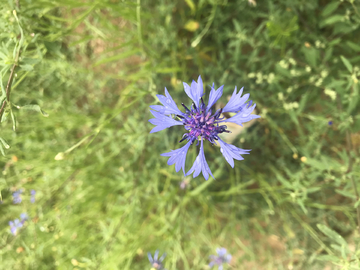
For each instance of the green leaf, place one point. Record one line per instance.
(331, 20)
(328, 258)
(330, 8)
(354, 99)
(30, 61)
(35, 108)
(283, 71)
(357, 204)
(303, 102)
(117, 57)
(200, 188)
(346, 63)
(27, 67)
(168, 70)
(13, 120)
(2, 150)
(353, 46)
(345, 193)
(332, 234)
(4, 143)
(328, 54)
(191, 5)
(301, 204)
(311, 56)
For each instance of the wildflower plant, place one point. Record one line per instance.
(156, 262)
(202, 124)
(17, 196)
(221, 258)
(15, 226)
(18, 223)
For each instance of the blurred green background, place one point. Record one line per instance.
(105, 196)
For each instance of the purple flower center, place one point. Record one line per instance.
(201, 124)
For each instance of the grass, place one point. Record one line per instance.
(105, 197)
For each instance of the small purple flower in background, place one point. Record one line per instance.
(15, 225)
(23, 217)
(330, 123)
(219, 260)
(155, 262)
(17, 196)
(201, 124)
(184, 183)
(18, 223)
(32, 198)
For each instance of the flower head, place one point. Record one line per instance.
(23, 217)
(201, 123)
(17, 196)
(219, 260)
(15, 225)
(155, 262)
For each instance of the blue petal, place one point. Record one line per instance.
(158, 108)
(162, 257)
(200, 165)
(236, 101)
(24, 216)
(162, 121)
(169, 104)
(178, 157)
(214, 96)
(243, 116)
(231, 152)
(221, 251)
(196, 91)
(156, 255)
(150, 257)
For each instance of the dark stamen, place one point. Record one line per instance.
(182, 117)
(194, 106)
(218, 113)
(185, 137)
(186, 108)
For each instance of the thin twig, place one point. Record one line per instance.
(9, 84)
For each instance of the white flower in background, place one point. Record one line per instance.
(292, 61)
(324, 73)
(251, 75)
(270, 78)
(252, 3)
(330, 93)
(319, 82)
(284, 64)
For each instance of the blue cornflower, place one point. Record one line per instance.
(202, 124)
(155, 262)
(220, 259)
(17, 196)
(15, 225)
(330, 123)
(32, 198)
